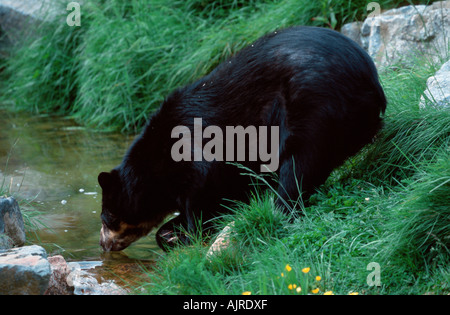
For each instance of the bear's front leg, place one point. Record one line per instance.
(180, 230)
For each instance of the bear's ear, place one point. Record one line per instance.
(106, 180)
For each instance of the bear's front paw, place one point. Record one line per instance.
(168, 238)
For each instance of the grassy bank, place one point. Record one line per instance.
(389, 205)
(127, 56)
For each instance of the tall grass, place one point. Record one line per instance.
(411, 135)
(422, 229)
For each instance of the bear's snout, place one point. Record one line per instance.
(114, 241)
(110, 241)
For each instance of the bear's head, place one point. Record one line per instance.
(126, 216)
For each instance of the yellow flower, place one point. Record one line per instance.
(282, 275)
(306, 270)
(318, 278)
(288, 268)
(328, 293)
(292, 286)
(247, 293)
(315, 291)
(298, 290)
(353, 293)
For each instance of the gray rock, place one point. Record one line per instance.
(19, 17)
(437, 93)
(353, 31)
(24, 271)
(399, 36)
(11, 224)
(5, 242)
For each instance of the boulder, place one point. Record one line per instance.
(399, 36)
(19, 17)
(437, 93)
(353, 31)
(11, 224)
(24, 271)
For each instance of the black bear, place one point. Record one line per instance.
(319, 90)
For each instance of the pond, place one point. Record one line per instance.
(50, 164)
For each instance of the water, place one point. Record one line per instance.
(51, 164)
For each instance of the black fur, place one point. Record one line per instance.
(318, 86)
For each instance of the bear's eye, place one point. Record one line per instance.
(110, 220)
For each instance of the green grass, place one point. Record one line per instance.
(127, 56)
(388, 205)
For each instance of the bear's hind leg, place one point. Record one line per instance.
(300, 174)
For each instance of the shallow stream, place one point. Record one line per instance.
(50, 164)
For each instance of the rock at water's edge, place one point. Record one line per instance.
(24, 271)
(11, 224)
(58, 284)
